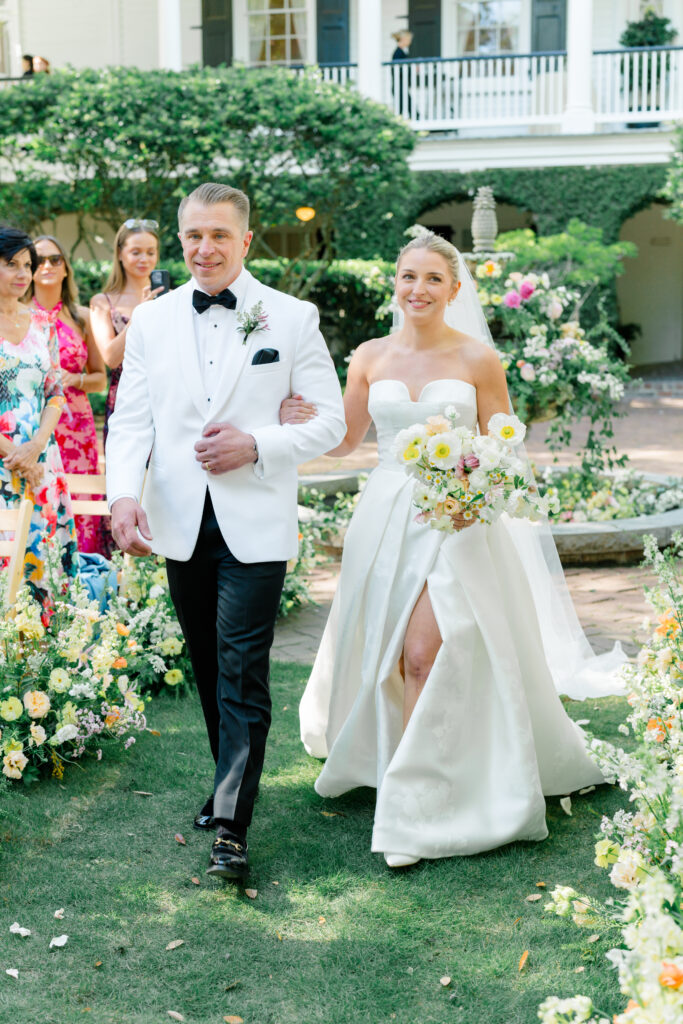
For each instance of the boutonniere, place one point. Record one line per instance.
(255, 320)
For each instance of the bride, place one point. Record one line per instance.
(438, 673)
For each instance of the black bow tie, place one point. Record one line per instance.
(201, 301)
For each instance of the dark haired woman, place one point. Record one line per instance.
(31, 401)
(54, 293)
(136, 251)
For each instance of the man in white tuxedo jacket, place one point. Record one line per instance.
(197, 410)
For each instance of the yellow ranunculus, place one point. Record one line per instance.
(13, 764)
(37, 703)
(171, 645)
(59, 680)
(173, 677)
(38, 735)
(11, 709)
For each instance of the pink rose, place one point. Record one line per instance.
(526, 289)
(471, 461)
(512, 300)
(527, 372)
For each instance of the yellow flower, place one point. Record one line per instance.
(173, 677)
(606, 853)
(160, 578)
(171, 645)
(11, 709)
(411, 453)
(442, 450)
(496, 299)
(68, 715)
(13, 764)
(59, 680)
(38, 735)
(37, 703)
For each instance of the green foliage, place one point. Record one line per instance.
(133, 142)
(673, 188)
(651, 30)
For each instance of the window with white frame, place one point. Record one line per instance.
(278, 31)
(488, 26)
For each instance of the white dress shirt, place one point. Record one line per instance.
(214, 338)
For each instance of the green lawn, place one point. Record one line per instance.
(332, 936)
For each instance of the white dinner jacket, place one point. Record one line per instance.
(161, 407)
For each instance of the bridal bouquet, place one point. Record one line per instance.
(476, 475)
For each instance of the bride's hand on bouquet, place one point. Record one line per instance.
(460, 523)
(296, 410)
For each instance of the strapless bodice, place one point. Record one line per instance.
(392, 409)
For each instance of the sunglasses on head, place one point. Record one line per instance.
(55, 260)
(146, 225)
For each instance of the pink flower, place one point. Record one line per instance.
(512, 300)
(526, 289)
(527, 372)
(471, 461)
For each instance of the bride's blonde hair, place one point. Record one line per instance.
(434, 243)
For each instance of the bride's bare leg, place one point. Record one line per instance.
(420, 647)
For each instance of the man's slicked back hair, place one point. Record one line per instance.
(211, 192)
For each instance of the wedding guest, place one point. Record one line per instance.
(402, 76)
(54, 292)
(41, 65)
(31, 400)
(136, 252)
(27, 65)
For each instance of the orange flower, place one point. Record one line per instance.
(119, 663)
(121, 629)
(112, 718)
(671, 976)
(657, 725)
(668, 624)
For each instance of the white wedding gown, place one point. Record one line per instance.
(489, 735)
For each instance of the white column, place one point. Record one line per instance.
(579, 115)
(170, 46)
(369, 36)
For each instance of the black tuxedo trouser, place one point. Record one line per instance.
(227, 611)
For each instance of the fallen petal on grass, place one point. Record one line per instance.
(321, 920)
(180, 839)
(332, 814)
(195, 880)
(16, 929)
(592, 938)
(175, 943)
(59, 941)
(59, 914)
(566, 805)
(588, 789)
(522, 960)
(579, 970)
(533, 897)
(540, 885)
(233, 1020)
(445, 981)
(13, 973)
(251, 893)
(174, 1015)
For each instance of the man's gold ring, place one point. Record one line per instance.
(207, 466)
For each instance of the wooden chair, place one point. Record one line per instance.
(16, 520)
(95, 483)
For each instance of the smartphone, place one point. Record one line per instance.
(160, 279)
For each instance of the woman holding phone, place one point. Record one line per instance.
(136, 252)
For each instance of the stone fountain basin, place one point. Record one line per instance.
(617, 541)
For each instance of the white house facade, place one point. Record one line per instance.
(486, 84)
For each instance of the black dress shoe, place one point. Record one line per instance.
(228, 859)
(205, 820)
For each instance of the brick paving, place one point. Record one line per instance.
(609, 599)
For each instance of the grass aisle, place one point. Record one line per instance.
(332, 936)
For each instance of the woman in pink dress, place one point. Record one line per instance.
(54, 293)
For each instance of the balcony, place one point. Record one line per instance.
(518, 93)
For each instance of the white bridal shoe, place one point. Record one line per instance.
(400, 860)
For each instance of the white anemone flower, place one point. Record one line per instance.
(445, 449)
(507, 428)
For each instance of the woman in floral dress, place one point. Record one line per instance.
(54, 293)
(31, 401)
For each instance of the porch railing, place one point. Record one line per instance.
(464, 92)
(342, 74)
(638, 85)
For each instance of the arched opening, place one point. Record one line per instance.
(453, 220)
(649, 291)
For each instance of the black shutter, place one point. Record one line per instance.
(333, 31)
(216, 32)
(424, 21)
(549, 25)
